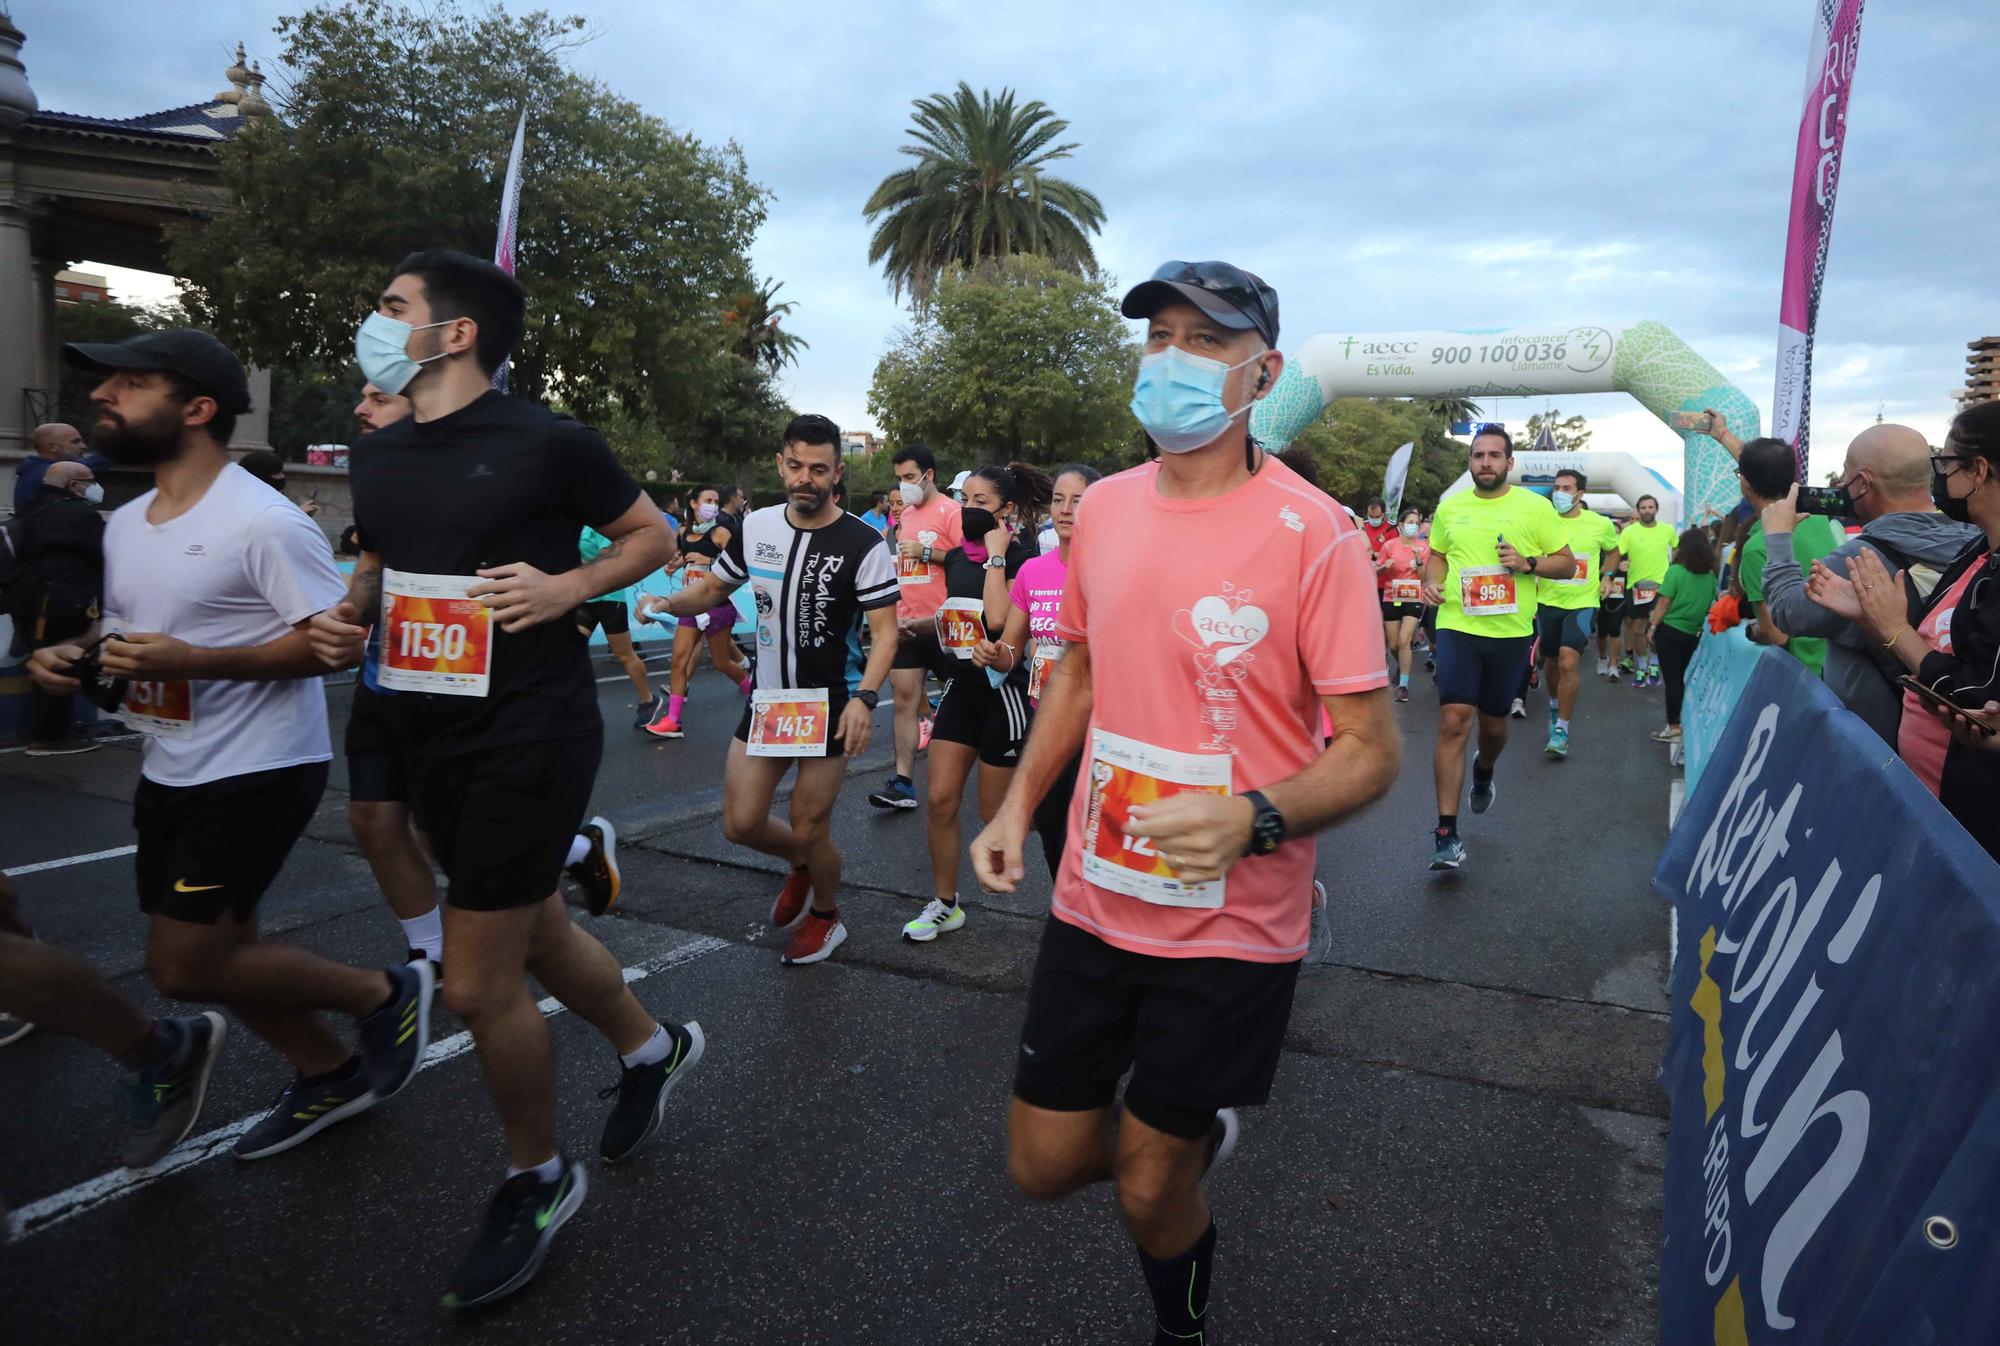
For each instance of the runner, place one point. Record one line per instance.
(813, 567)
(165, 1063)
(471, 509)
(701, 543)
(926, 529)
(1568, 607)
(1489, 547)
(1214, 604)
(1399, 570)
(983, 719)
(210, 579)
(1646, 544)
(612, 611)
(1611, 617)
(1376, 525)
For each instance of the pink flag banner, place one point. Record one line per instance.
(1836, 43)
(510, 210)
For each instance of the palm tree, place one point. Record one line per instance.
(978, 190)
(752, 325)
(1451, 410)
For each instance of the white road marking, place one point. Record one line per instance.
(50, 1211)
(111, 854)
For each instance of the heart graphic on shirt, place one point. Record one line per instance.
(1212, 624)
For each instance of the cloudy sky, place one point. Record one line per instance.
(1385, 166)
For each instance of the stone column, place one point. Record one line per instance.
(253, 427)
(48, 359)
(19, 323)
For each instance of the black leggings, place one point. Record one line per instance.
(1052, 814)
(1675, 648)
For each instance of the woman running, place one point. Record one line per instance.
(612, 612)
(983, 717)
(706, 534)
(1399, 561)
(1037, 600)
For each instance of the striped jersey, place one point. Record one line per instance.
(810, 585)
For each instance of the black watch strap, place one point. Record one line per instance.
(867, 698)
(1267, 825)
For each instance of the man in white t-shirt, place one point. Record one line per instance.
(209, 581)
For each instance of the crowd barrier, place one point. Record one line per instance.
(1720, 670)
(1833, 1171)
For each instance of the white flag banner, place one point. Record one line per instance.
(510, 209)
(1393, 479)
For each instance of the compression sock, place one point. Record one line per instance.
(1179, 1286)
(654, 1048)
(579, 846)
(1402, 680)
(745, 684)
(425, 933)
(546, 1171)
(674, 704)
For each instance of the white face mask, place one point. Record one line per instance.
(94, 493)
(1409, 530)
(911, 491)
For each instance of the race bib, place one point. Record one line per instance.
(1123, 773)
(1405, 591)
(1047, 654)
(1642, 594)
(961, 624)
(1617, 589)
(435, 639)
(789, 723)
(911, 569)
(162, 709)
(1487, 591)
(1582, 573)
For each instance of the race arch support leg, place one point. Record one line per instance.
(1665, 375)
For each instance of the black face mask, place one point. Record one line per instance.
(1956, 508)
(977, 523)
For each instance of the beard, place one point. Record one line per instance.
(142, 444)
(809, 500)
(1486, 481)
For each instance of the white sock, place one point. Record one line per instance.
(579, 846)
(546, 1171)
(426, 934)
(654, 1048)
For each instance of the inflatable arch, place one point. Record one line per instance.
(1616, 475)
(1644, 359)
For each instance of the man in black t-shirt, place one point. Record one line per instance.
(471, 509)
(813, 567)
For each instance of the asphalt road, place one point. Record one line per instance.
(1465, 1144)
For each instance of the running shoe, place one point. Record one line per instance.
(642, 1093)
(304, 1110)
(1653, 678)
(1403, 692)
(815, 940)
(651, 711)
(1482, 793)
(13, 1028)
(1430, 664)
(166, 1099)
(790, 908)
(1613, 674)
(1603, 666)
(520, 1225)
(68, 747)
(1558, 743)
(1520, 709)
(1670, 733)
(1449, 852)
(936, 919)
(899, 793)
(1625, 665)
(664, 725)
(393, 1038)
(1222, 1138)
(1639, 682)
(597, 873)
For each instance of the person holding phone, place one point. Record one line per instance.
(1949, 640)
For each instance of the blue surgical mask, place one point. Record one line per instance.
(1178, 399)
(1410, 530)
(381, 348)
(1562, 500)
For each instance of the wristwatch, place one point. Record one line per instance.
(1267, 825)
(1532, 561)
(867, 698)
(996, 563)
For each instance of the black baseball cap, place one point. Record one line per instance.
(193, 354)
(1229, 294)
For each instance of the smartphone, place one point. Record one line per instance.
(1833, 502)
(1943, 702)
(1700, 422)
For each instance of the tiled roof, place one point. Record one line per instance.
(196, 123)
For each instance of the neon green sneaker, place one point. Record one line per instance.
(935, 919)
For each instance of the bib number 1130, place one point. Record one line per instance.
(436, 639)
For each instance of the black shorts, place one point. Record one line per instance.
(214, 848)
(609, 613)
(378, 764)
(993, 720)
(501, 819)
(1611, 615)
(1483, 671)
(836, 706)
(921, 650)
(1635, 611)
(1396, 612)
(1563, 628)
(1198, 1034)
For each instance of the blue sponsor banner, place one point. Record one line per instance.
(1716, 677)
(1833, 1170)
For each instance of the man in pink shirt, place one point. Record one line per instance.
(1195, 688)
(927, 528)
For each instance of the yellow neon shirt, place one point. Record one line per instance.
(1589, 536)
(1648, 549)
(1466, 532)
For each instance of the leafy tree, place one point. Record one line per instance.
(979, 190)
(393, 129)
(1451, 410)
(1571, 434)
(1353, 440)
(1013, 359)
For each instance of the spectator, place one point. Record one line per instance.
(1685, 597)
(56, 442)
(53, 563)
(1949, 641)
(1764, 469)
(1887, 476)
(269, 468)
(877, 515)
